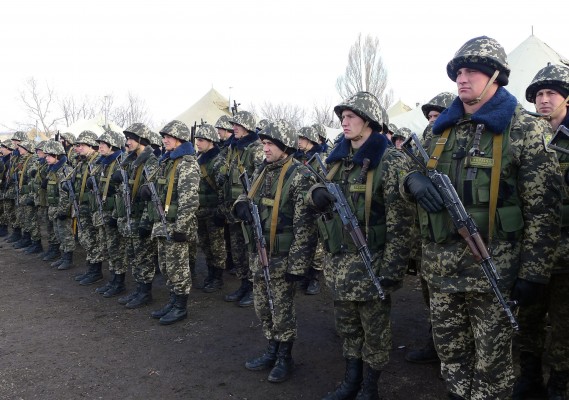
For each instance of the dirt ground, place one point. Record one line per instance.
(60, 340)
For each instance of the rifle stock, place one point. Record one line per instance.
(156, 201)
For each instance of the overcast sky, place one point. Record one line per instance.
(170, 53)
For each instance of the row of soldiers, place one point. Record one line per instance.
(359, 210)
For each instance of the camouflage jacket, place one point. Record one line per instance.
(5, 176)
(80, 177)
(562, 252)
(101, 171)
(25, 168)
(57, 199)
(210, 189)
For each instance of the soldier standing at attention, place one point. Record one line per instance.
(6, 203)
(278, 188)
(15, 165)
(225, 132)
(362, 318)
(549, 91)
(513, 194)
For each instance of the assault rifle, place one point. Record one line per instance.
(156, 201)
(349, 221)
(562, 133)
(463, 222)
(95, 190)
(259, 240)
(125, 191)
(68, 187)
(17, 188)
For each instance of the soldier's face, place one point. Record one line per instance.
(40, 153)
(432, 116)
(223, 133)
(50, 159)
(470, 83)
(4, 151)
(272, 152)
(547, 101)
(170, 142)
(104, 149)
(203, 145)
(82, 149)
(352, 124)
(22, 151)
(304, 144)
(239, 131)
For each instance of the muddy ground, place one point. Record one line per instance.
(60, 340)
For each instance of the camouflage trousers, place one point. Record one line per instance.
(115, 245)
(9, 212)
(140, 253)
(473, 338)
(239, 252)
(365, 329)
(281, 326)
(90, 237)
(532, 319)
(18, 215)
(64, 231)
(173, 258)
(50, 229)
(212, 243)
(29, 221)
(3, 216)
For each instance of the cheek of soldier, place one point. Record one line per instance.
(104, 148)
(352, 124)
(547, 101)
(50, 159)
(239, 131)
(433, 115)
(272, 152)
(302, 143)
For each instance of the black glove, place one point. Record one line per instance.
(179, 237)
(293, 278)
(25, 180)
(113, 223)
(322, 198)
(219, 218)
(29, 201)
(145, 193)
(526, 292)
(116, 176)
(424, 191)
(387, 283)
(89, 184)
(61, 217)
(33, 173)
(241, 210)
(44, 183)
(143, 232)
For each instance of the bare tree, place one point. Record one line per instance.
(324, 114)
(135, 110)
(38, 104)
(74, 110)
(365, 71)
(292, 113)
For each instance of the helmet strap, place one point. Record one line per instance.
(553, 113)
(360, 135)
(490, 82)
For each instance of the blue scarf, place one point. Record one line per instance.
(373, 149)
(184, 149)
(57, 165)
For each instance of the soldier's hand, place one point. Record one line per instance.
(526, 292)
(219, 218)
(143, 232)
(44, 183)
(116, 176)
(145, 193)
(113, 223)
(322, 198)
(293, 278)
(179, 237)
(29, 201)
(241, 211)
(424, 192)
(62, 217)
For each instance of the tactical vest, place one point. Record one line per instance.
(162, 183)
(35, 185)
(564, 166)
(134, 181)
(25, 163)
(237, 162)
(53, 181)
(207, 189)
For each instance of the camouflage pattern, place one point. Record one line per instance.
(140, 130)
(385, 120)
(366, 106)
(113, 139)
(208, 132)
(482, 50)
(29, 217)
(58, 206)
(8, 144)
(262, 124)
(308, 132)
(87, 137)
(176, 129)
(438, 103)
(552, 75)
(68, 137)
(41, 145)
(392, 128)
(321, 131)
(281, 131)
(19, 135)
(224, 123)
(156, 139)
(402, 133)
(142, 255)
(28, 145)
(54, 148)
(245, 119)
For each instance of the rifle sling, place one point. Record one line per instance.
(206, 176)
(107, 180)
(171, 185)
(85, 175)
(20, 183)
(439, 147)
(494, 183)
(368, 194)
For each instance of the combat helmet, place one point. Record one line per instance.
(156, 139)
(244, 119)
(138, 129)
(321, 131)
(554, 77)
(208, 132)
(176, 129)
(223, 123)
(262, 124)
(67, 136)
(392, 128)
(8, 144)
(88, 138)
(53, 148)
(113, 139)
(41, 145)
(19, 135)
(403, 133)
(28, 145)
(385, 121)
(438, 103)
(309, 133)
(484, 54)
(366, 106)
(283, 132)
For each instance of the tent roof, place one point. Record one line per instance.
(397, 108)
(94, 124)
(209, 108)
(414, 120)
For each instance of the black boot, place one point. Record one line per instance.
(178, 312)
(207, 280)
(94, 274)
(126, 299)
(247, 299)
(15, 236)
(25, 241)
(3, 230)
(52, 253)
(79, 277)
(67, 261)
(117, 287)
(426, 355)
(34, 248)
(314, 283)
(57, 262)
(166, 309)
(530, 381)
(352, 382)
(108, 285)
(216, 282)
(266, 360)
(143, 297)
(284, 364)
(369, 386)
(239, 293)
(453, 396)
(557, 385)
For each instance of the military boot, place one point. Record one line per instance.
(426, 355)
(530, 381)
(166, 309)
(34, 248)
(117, 287)
(143, 297)
(352, 382)
(368, 390)
(240, 292)
(126, 299)
(207, 280)
(557, 385)
(3, 230)
(314, 283)
(57, 262)
(266, 360)
(178, 312)
(52, 253)
(79, 277)
(108, 285)
(15, 236)
(453, 396)
(24, 241)
(284, 364)
(67, 262)
(216, 282)
(94, 274)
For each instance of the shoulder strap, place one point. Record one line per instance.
(494, 183)
(439, 147)
(171, 185)
(206, 176)
(107, 180)
(275, 212)
(368, 195)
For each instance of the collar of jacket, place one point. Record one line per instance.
(42, 160)
(110, 158)
(143, 157)
(373, 149)
(276, 164)
(184, 149)
(16, 152)
(209, 155)
(6, 158)
(496, 114)
(245, 141)
(227, 142)
(565, 121)
(57, 165)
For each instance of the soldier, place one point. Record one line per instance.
(245, 154)
(176, 180)
(58, 202)
(6, 204)
(278, 188)
(549, 91)
(13, 189)
(399, 136)
(513, 194)
(362, 318)
(211, 219)
(225, 132)
(322, 137)
(68, 141)
(432, 110)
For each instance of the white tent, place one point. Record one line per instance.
(397, 109)
(94, 124)
(207, 109)
(414, 120)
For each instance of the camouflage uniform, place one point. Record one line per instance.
(471, 331)
(6, 204)
(223, 123)
(438, 103)
(177, 181)
(15, 211)
(290, 245)
(362, 318)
